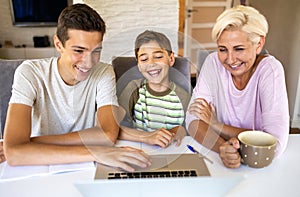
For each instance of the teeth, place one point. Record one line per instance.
(155, 72)
(235, 66)
(82, 69)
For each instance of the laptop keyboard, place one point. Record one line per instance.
(158, 174)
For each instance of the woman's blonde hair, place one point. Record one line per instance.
(244, 18)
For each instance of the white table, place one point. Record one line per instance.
(278, 179)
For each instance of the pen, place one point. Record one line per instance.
(197, 152)
(192, 149)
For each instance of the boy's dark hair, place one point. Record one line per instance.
(80, 17)
(148, 36)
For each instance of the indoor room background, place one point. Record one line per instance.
(126, 19)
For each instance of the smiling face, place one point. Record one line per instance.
(238, 54)
(154, 63)
(79, 55)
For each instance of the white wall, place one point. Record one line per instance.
(124, 19)
(283, 42)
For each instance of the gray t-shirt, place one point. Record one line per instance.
(58, 108)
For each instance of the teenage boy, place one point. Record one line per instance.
(65, 110)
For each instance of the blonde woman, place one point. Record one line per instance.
(238, 89)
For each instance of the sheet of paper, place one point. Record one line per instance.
(171, 149)
(125, 143)
(8, 172)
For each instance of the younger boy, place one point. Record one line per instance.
(154, 104)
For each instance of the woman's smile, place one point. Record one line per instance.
(236, 66)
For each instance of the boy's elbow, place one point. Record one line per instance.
(110, 135)
(12, 156)
(113, 135)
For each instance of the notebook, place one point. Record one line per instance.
(196, 183)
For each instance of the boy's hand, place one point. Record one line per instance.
(120, 157)
(2, 157)
(179, 133)
(161, 137)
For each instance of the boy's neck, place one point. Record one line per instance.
(161, 87)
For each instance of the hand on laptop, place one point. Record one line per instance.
(122, 157)
(2, 157)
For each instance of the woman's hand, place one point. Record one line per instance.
(204, 111)
(229, 153)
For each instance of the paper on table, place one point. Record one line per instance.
(8, 172)
(171, 149)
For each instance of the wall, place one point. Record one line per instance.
(283, 42)
(19, 35)
(124, 19)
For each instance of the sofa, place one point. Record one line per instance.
(7, 70)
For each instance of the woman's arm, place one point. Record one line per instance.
(208, 137)
(205, 135)
(207, 113)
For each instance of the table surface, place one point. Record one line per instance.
(278, 179)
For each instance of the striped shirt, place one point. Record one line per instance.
(153, 112)
(148, 110)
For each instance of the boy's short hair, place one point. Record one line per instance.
(79, 17)
(148, 36)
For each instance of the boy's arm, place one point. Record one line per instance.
(2, 157)
(105, 133)
(161, 137)
(20, 150)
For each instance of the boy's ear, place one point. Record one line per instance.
(57, 43)
(172, 59)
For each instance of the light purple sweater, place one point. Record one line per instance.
(262, 105)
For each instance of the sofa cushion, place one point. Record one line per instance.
(7, 70)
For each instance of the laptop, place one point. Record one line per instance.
(167, 165)
(176, 174)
